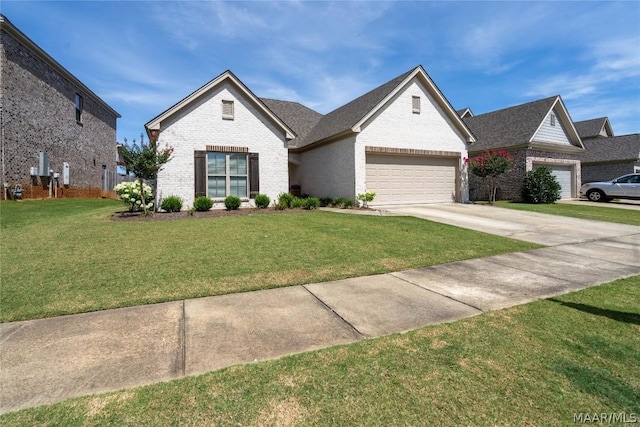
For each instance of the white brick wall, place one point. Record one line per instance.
(201, 124)
(396, 126)
(327, 171)
(338, 169)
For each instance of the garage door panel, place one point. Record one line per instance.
(411, 179)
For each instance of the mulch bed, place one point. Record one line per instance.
(213, 213)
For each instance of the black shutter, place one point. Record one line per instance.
(200, 173)
(254, 175)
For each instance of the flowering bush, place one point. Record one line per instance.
(489, 165)
(134, 196)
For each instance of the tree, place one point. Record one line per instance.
(145, 161)
(489, 165)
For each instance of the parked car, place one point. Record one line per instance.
(624, 187)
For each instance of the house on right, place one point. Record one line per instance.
(606, 156)
(538, 133)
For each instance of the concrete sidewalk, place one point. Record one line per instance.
(50, 360)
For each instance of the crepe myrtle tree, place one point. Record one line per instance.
(145, 161)
(488, 166)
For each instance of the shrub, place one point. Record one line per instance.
(262, 201)
(366, 197)
(285, 200)
(297, 202)
(342, 203)
(232, 203)
(171, 204)
(131, 195)
(326, 201)
(540, 186)
(310, 203)
(202, 203)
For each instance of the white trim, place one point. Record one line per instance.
(565, 120)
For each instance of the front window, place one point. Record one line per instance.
(226, 175)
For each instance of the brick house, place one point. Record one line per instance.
(538, 133)
(606, 156)
(44, 108)
(402, 140)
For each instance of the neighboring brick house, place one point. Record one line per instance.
(538, 133)
(402, 140)
(44, 108)
(607, 158)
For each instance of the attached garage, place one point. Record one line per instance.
(412, 179)
(565, 176)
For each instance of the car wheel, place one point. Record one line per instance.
(597, 196)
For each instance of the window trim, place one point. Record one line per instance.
(227, 105)
(552, 117)
(228, 175)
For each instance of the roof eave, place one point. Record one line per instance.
(156, 122)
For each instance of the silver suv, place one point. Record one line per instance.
(624, 187)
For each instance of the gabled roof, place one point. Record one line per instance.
(613, 149)
(515, 127)
(465, 112)
(594, 128)
(350, 117)
(227, 76)
(299, 118)
(13, 31)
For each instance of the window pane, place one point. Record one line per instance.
(216, 164)
(216, 186)
(238, 186)
(237, 164)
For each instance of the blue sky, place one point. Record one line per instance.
(141, 57)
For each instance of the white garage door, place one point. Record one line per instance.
(411, 179)
(564, 175)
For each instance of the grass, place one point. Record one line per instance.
(66, 256)
(535, 364)
(598, 213)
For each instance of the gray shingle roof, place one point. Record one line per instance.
(510, 126)
(612, 149)
(590, 128)
(299, 118)
(345, 117)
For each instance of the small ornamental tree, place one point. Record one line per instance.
(488, 166)
(145, 161)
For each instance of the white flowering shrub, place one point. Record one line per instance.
(134, 196)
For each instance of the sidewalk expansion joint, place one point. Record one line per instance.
(345, 321)
(183, 339)
(438, 293)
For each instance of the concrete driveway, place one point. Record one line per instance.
(544, 229)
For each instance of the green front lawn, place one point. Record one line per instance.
(599, 213)
(540, 364)
(66, 256)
